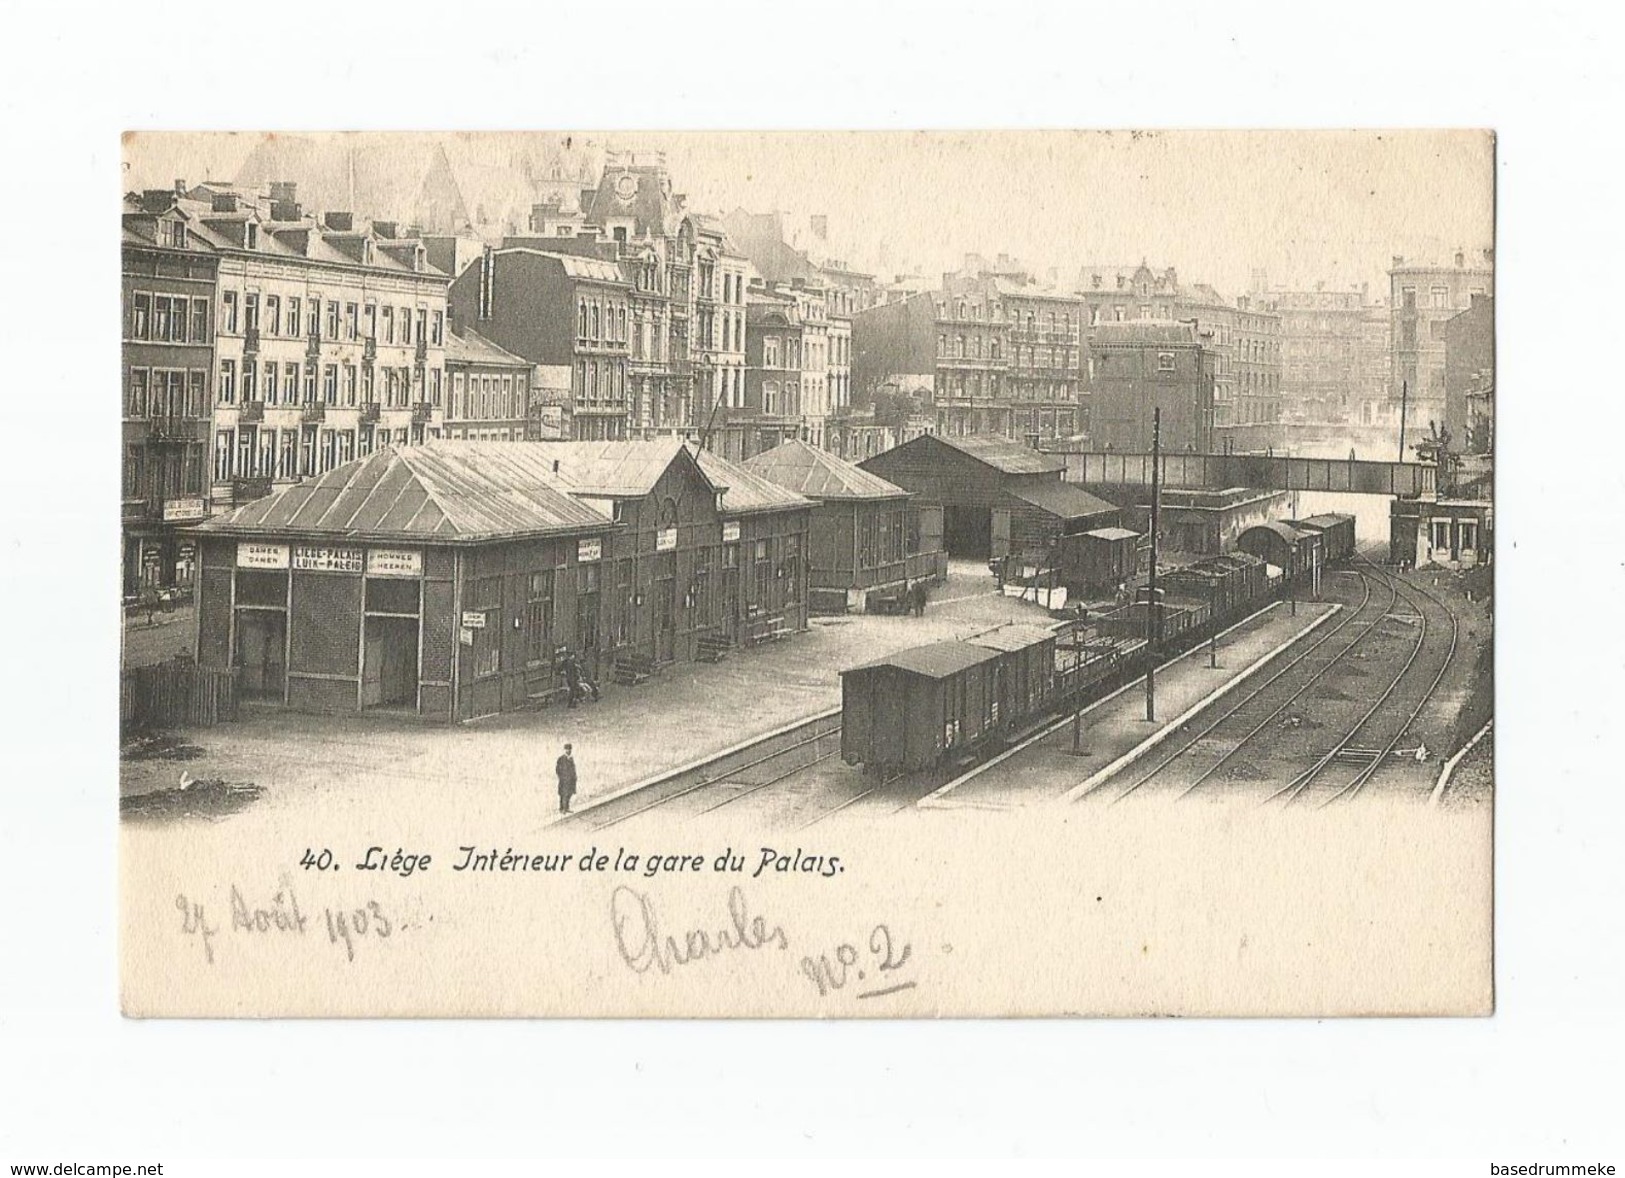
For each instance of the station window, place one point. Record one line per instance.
(1441, 533)
(539, 618)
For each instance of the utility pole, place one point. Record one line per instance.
(1213, 624)
(1152, 613)
(1404, 404)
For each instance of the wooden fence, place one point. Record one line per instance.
(178, 693)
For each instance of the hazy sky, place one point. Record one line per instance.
(1300, 205)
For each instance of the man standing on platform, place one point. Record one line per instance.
(566, 769)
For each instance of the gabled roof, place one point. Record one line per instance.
(442, 491)
(1002, 453)
(615, 469)
(1064, 500)
(470, 347)
(745, 492)
(819, 474)
(937, 660)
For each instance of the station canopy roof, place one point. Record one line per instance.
(1065, 500)
(745, 492)
(819, 474)
(613, 469)
(937, 660)
(1003, 454)
(441, 491)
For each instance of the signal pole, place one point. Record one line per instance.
(1151, 606)
(1404, 400)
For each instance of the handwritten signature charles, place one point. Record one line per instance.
(644, 946)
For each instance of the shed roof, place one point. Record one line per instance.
(744, 491)
(470, 347)
(442, 491)
(613, 469)
(1002, 453)
(937, 660)
(1013, 636)
(1065, 500)
(819, 474)
(1324, 520)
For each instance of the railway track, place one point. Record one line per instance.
(727, 779)
(1371, 743)
(1200, 756)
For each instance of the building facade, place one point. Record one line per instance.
(1469, 370)
(488, 390)
(1321, 354)
(169, 283)
(330, 338)
(1422, 295)
(1045, 376)
(1146, 366)
(558, 309)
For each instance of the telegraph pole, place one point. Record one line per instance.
(1404, 404)
(1151, 610)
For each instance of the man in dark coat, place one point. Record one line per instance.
(919, 593)
(576, 681)
(566, 769)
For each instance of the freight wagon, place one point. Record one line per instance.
(1336, 535)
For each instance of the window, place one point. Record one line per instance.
(251, 311)
(135, 403)
(293, 316)
(330, 384)
(313, 318)
(1440, 297)
(307, 450)
(246, 451)
(329, 449)
(539, 618)
(1441, 533)
(228, 381)
(372, 320)
(140, 316)
(368, 394)
(222, 455)
(266, 466)
(290, 383)
(434, 387)
(249, 380)
(273, 315)
(349, 384)
(406, 325)
(332, 320)
(310, 383)
(423, 326)
(228, 303)
(351, 321)
(770, 352)
(285, 463)
(160, 318)
(581, 319)
(389, 325)
(1408, 298)
(438, 336)
(200, 321)
(1165, 361)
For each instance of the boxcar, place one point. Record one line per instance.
(1229, 583)
(1336, 532)
(1285, 547)
(1097, 561)
(1024, 676)
(907, 710)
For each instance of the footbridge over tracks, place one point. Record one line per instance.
(1265, 472)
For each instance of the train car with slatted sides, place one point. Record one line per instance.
(909, 709)
(1337, 535)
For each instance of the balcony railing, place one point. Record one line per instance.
(178, 429)
(422, 411)
(251, 339)
(313, 412)
(369, 349)
(421, 354)
(369, 412)
(250, 411)
(313, 345)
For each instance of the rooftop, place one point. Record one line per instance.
(819, 474)
(1001, 453)
(470, 347)
(1064, 500)
(745, 491)
(443, 491)
(937, 660)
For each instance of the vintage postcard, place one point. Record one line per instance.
(807, 574)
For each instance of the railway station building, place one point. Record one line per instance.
(1450, 533)
(448, 580)
(998, 497)
(869, 541)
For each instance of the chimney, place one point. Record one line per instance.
(384, 228)
(285, 190)
(555, 466)
(180, 187)
(1397, 262)
(339, 222)
(1461, 259)
(224, 202)
(157, 200)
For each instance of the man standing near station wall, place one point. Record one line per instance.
(566, 769)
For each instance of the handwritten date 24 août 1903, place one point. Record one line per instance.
(281, 917)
